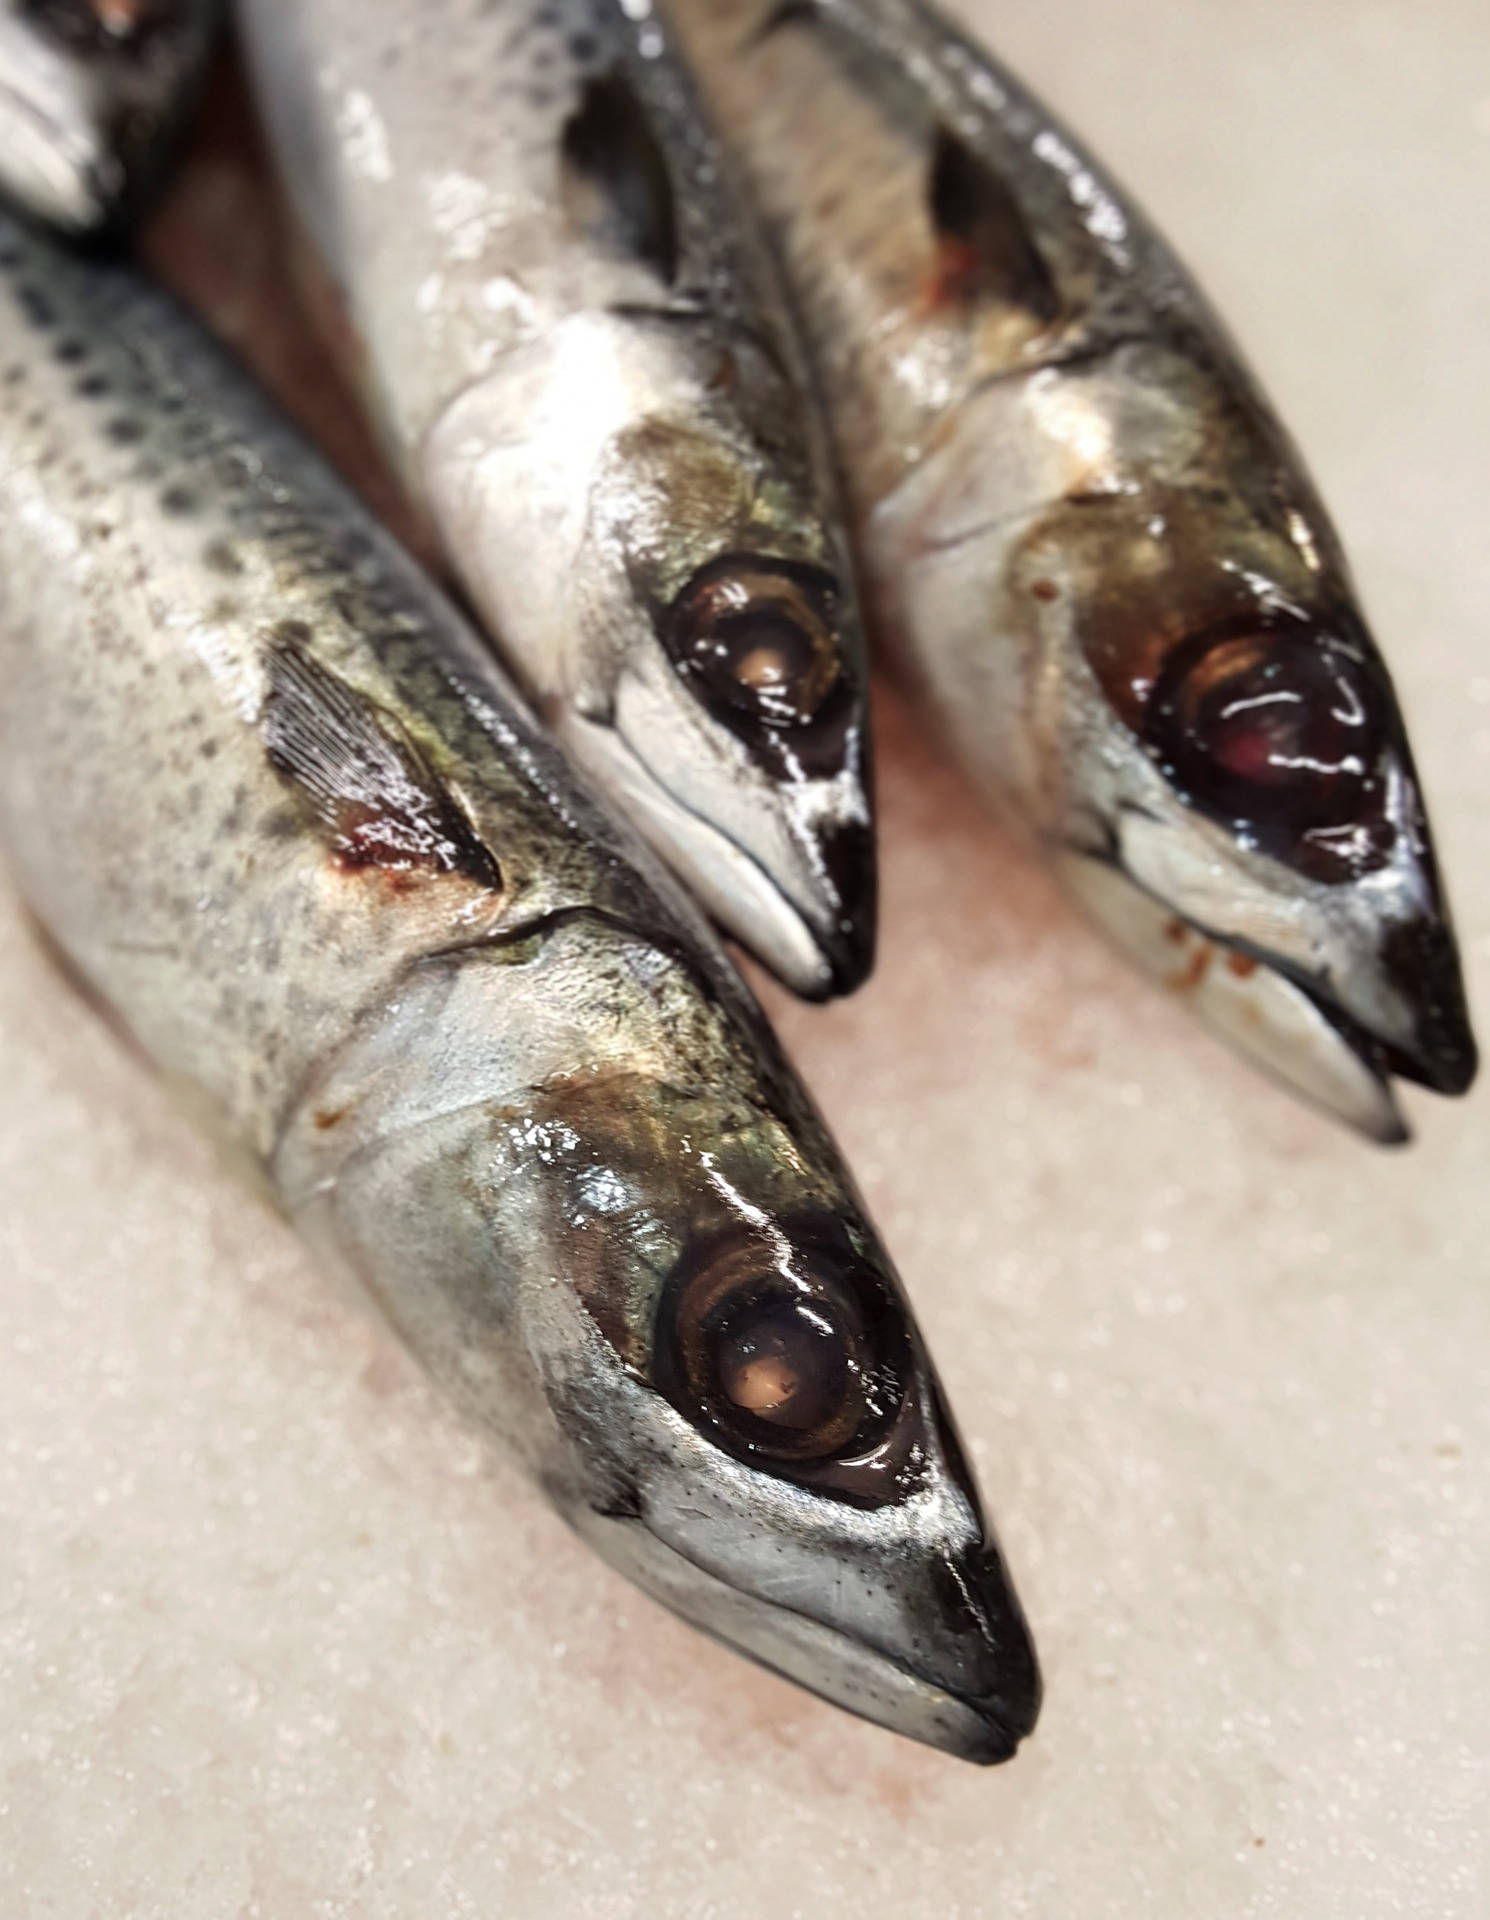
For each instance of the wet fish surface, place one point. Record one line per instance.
(1092, 544)
(92, 96)
(583, 366)
(259, 782)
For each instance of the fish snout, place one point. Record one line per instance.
(851, 887)
(987, 1660)
(1420, 962)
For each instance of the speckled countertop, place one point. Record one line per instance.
(278, 1639)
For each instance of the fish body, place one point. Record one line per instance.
(92, 95)
(1092, 544)
(262, 785)
(585, 372)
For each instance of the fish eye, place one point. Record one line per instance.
(1279, 729)
(780, 1354)
(759, 638)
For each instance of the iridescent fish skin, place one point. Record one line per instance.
(1093, 545)
(92, 95)
(263, 787)
(582, 364)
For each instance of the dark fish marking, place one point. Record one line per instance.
(986, 249)
(37, 308)
(790, 13)
(616, 183)
(366, 779)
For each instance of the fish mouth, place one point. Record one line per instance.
(1302, 1029)
(815, 930)
(967, 1682)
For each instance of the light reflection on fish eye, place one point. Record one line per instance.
(1281, 730)
(784, 1355)
(759, 639)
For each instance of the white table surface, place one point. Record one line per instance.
(278, 1638)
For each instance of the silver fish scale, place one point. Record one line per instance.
(158, 529)
(462, 233)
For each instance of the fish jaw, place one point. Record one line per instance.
(788, 870)
(1330, 988)
(555, 1241)
(948, 1662)
(1377, 956)
(572, 554)
(1265, 1015)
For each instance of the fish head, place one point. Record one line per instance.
(701, 658)
(1211, 739)
(762, 1445)
(643, 1265)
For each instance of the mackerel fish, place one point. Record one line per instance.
(580, 358)
(1093, 546)
(261, 784)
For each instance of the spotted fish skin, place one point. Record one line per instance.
(1092, 544)
(587, 375)
(93, 94)
(270, 797)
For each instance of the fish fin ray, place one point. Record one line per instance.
(362, 774)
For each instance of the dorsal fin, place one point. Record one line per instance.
(989, 252)
(616, 183)
(367, 781)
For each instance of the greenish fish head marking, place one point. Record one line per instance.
(91, 92)
(680, 615)
(649, 1274)
(1208, 732)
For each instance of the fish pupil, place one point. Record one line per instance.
(770, 659)
(792, 1354)
(759, 639)
(785, 1363)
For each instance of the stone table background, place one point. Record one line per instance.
(278, 1639)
